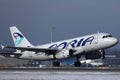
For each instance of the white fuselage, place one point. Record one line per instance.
(83, 44)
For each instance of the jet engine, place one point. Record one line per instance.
(62, 54)
(68, 53)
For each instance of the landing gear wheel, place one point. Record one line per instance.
(77, 64)
(56, 63)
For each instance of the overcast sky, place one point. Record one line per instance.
(72, 18)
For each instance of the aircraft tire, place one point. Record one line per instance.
(56, 63)
(77, 64)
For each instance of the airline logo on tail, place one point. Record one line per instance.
(18, 38)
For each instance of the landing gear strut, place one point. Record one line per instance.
(55, 62)
(77, 63)
(103, 55)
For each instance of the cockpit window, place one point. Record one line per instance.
(106, 36)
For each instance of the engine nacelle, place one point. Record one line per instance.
(68, 53)
(94, 55)
(62, 54)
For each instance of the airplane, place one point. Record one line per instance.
(92, 46)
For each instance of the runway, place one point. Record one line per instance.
(59, 75)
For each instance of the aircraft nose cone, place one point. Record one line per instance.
(114, 41)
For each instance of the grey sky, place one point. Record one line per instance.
(72, 18)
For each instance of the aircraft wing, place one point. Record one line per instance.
(46, 50)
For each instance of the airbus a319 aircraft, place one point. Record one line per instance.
(92, 46)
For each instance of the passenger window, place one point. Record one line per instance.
(104, 36)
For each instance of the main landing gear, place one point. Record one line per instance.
(56, 63)
(77, 63)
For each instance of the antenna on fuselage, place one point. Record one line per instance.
(51, 33)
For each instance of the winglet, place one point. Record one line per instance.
(2, 46)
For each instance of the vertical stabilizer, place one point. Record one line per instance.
(18, 38)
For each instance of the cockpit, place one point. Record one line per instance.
(106, 36)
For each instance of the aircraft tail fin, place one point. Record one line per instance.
(18, 38)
